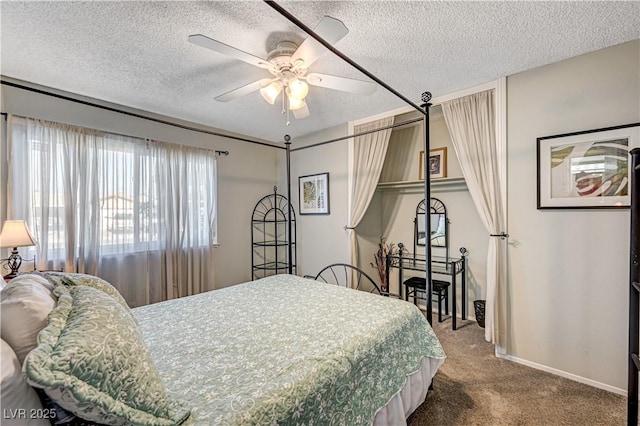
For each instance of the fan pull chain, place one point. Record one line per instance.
(285, 107)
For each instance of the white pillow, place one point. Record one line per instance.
(25, 304)
(19, 403)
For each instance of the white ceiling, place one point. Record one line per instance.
(136, 53)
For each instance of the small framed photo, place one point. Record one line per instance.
(314, 194)
(587, 169)
(437, 163)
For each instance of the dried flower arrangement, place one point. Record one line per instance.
(380, 257)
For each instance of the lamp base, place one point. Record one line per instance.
(13, 262)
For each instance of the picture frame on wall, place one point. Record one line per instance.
(437, 163)
(314, 194)
(587, 169)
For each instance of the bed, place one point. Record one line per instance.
(280, 350)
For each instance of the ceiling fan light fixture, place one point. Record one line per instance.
(270, 93)
(298, 89)
(288, 64)
(295, 104)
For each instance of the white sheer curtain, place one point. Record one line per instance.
(471, 123)
(369, 151)
(140, 214)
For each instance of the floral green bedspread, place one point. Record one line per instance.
(286, 350)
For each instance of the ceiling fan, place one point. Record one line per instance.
(289, 65)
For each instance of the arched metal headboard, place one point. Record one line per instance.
(435, 207)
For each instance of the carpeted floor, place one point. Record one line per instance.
(473, 387)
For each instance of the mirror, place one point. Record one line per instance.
(438, 229)
(439, 225)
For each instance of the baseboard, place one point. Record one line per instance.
(564, 374)
(551, 370)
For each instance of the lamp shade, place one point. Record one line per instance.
(298, 89)
(15, 233)
(296, 104)
(271, 92)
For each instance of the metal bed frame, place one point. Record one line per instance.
(342, 273)
(423, 109)
(634, 292)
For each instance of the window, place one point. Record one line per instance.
(90, 193)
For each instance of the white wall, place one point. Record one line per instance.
(247, 174)
(321, 239)
(569, 270)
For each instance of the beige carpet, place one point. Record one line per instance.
(473, 387)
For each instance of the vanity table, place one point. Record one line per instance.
(431, 226)
(440, 265)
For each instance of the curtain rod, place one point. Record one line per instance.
(133, 114)
(366, 132)
(341, 55)
(217, 152)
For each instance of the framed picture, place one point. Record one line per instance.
(437, 163)
(587, 169)
(314, 194)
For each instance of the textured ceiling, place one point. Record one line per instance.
(136, 53)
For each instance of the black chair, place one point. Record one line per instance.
(440, 289)
(342, 274)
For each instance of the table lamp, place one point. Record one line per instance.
(15, 233)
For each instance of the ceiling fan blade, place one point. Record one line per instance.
(244, 90)
(216, 46)
(331, 30)
(302, 112)
(344, 84)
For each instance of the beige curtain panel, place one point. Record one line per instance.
(368, 156)
(471, 123)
